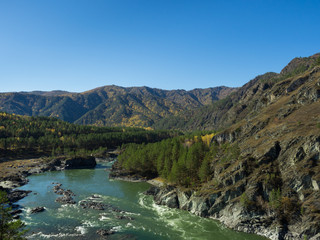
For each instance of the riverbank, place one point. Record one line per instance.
(14, 173)
(216, 206)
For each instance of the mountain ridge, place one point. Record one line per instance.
(261, 172)
(245, 100)
(110, 105)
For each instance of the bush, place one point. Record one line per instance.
(244, 200)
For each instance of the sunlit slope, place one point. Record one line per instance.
(111, 105)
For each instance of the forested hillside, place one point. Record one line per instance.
(22, 135)
(111, 105)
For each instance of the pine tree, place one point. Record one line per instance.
(204, 171)
(10, 229)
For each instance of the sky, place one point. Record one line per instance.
(78, 45)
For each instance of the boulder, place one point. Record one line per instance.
(105, 232)
(67, 194)
(37, 209)
(95, 196)
(124, 218)
(92, 205)
(80, 162)
(65, 200)
(16, 213)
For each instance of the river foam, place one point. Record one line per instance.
(40, 235)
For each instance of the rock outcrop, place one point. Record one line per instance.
(105, 232)
(272, 186)
(67, 195)
(16, 195)
(93, 205)
(79, 162)
(37, 210)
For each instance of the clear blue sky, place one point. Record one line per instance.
(77, 45)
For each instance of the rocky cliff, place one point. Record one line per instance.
(272, 187)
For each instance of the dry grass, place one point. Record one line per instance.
(15, 167)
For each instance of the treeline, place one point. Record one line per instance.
(180, 160)
(44, 135)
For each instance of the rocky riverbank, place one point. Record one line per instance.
(14, 173)
(216, 206)
(232, 216)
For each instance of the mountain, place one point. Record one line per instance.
(275, 122)
(261, 169)
(247, 101)
(111, 105)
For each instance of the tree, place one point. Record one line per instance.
(275, 199)
(10, 229)
(204, 171)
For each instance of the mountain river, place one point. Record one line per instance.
(129, 213)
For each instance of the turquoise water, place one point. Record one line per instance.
(148, 220)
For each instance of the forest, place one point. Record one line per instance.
(183, 160)
(23, 135)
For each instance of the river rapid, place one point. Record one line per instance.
(129, 213)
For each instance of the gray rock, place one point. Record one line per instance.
(37, 210)
(65, 200)
(124, 218)
(79, 162)
(93, 205)
(105, 232)
(168, 198)
(153, 191)
(17, 195)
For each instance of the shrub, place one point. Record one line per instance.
(244, 200)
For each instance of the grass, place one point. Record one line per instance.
(14, 167)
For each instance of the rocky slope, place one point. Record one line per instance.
(111, 105)
(246, 101)
(272, 187)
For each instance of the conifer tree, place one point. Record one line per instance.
(10, 229)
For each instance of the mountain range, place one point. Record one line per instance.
(198, 109)
(111, 105)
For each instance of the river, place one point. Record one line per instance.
(131, 214)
